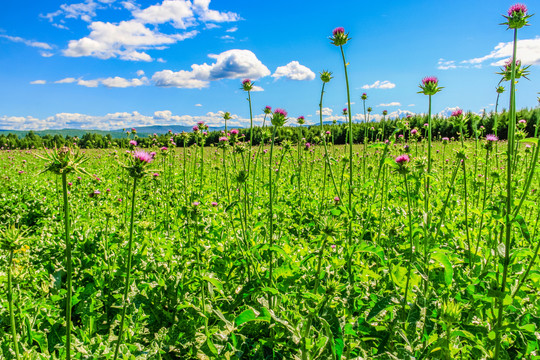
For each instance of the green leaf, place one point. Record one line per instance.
(245, 316)
(378, 307)
(523, 227)
(443, 260)
(529, 140)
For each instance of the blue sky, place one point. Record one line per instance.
(108, 64)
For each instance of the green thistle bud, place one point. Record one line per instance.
(326, 76)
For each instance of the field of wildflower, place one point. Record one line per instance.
(404, 246)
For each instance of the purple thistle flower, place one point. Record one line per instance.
(430, 80)
(344, 111)
(338, 30)
(143, 157)
(234, 132)
(223, 139)
(445, 139)
(456, 113)
(195, 128)
(133, 143)
(401, 159)
(327, 132)
(426, 124)
(336, 199)
(155, 175)
(196, 203)
(491, 137)
(164, 148)
(516, 8)
(522, 121)
(281, 112)
(214, 203)
(414, 131)
(246, 81)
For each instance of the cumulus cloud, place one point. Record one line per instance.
(231, 64)
(294, 71)
(325, 111)
(233, 29)
(38, 82)
(178, 13)
(88, 83)
(123, 40)
(528, 51)
(393, 103)
(130, 39)
(31, 43)
(380, 85)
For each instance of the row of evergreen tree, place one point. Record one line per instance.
(473, 126)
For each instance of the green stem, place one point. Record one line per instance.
(10, 302)
(509, 199)
(128, 271)
(270, 171)
(411, 249)
(68, 267)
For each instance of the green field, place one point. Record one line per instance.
(208, 280)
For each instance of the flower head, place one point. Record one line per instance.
(369, 109)
(491, 137)
(385, 112)
(500, 89)
(301, 120)
(279, 117)
(267, 110)
(247, 85)
(364, 96)
(227, 115)
(142, 157)
(326, 76)
(429, 86)
(339, 37)
(133, 143)
(517, 16)
(457, 113)
(401, 159)
(414, 132)
(506, 70)
(345, 111)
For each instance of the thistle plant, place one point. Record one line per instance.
(457, 115)
(384, 113)
(279, 118)
(340, 38)
(226, 116)
(12, 240)
(364, 98)
(401, 163)
(516, 19)
(247, 85)
(62, 162)
(137, 168)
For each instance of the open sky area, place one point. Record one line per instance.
(110, 64)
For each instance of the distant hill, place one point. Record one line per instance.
(142, 131)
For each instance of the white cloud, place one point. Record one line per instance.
(84, 11)
(38, 82)
(411, 105)
(129, 5)
(119, 82)
(528, 51)
(393, 103)
(107, 40)
(294, 71)
(325, 111)
(257, 88)
(88, 83)
(233, 29)
(46, 54)
(201, 7)
(68, 80)
(445, 65)
(36, 44)
(198, 105)
(231, 64)
(179, 13)
(380, 85)
(140, 72)
(227, 37)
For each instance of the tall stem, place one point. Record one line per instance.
(128, 271)
(68, 267)
(10, 302)
(350, 146)
(270, 171)
(509, 199)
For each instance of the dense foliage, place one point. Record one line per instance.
(200, 285)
